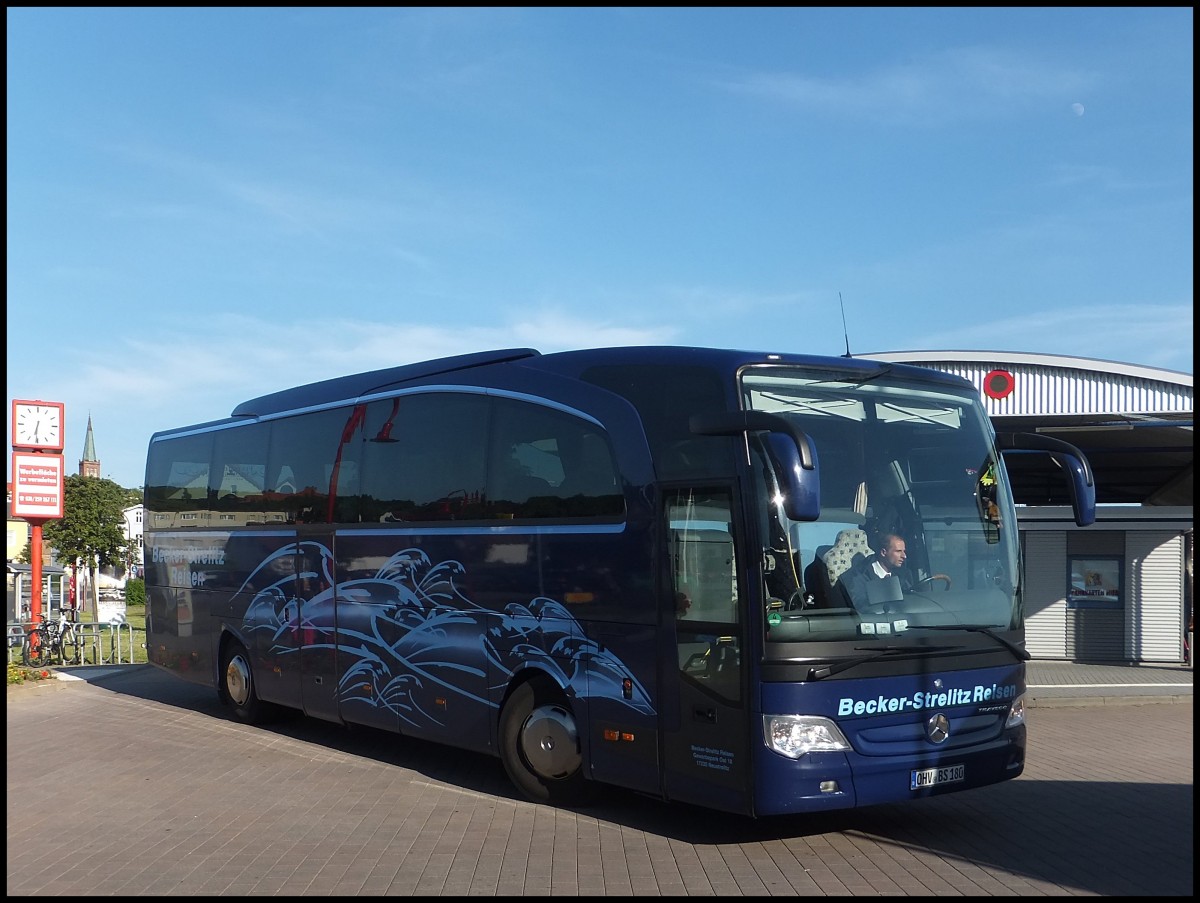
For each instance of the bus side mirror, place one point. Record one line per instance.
(792, 453)
(1074, 463)
(801, 486)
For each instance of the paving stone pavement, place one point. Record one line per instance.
(1079, 683)
(127, 781)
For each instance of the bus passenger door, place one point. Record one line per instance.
(296, 653)
(317, 629)
(705, 727)
(272, 626)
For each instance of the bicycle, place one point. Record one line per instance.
(40, 645)
(52, 641)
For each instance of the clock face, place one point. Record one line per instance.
(37, 425)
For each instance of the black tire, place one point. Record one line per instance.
(27, 652)
(540, 746)
(72, 649)
(237, 687)
(35, 657)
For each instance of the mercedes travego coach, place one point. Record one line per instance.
(762, 583)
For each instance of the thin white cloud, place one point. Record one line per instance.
(1109, 178)
(245, 198)
(970, 83)
(230, 355)
(702, 302)
(1162, 334)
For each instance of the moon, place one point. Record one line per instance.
(1077, 108)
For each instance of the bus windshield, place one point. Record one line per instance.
(905, 467)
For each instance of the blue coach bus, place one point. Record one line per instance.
(618, 566)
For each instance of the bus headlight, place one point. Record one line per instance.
(795, 735)
(1016, 713)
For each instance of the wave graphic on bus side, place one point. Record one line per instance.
(412, 637)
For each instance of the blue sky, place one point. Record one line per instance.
(205, 205)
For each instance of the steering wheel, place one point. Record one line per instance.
(933, 577)
(794, 601)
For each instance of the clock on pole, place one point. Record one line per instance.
(37, 425)
(37, 489)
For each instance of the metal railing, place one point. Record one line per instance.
(98, 642)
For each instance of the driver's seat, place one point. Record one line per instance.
(829, 563)
(848, 549)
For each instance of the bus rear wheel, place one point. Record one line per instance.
(540, 746)
(237, 685)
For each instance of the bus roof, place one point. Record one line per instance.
(573, 362)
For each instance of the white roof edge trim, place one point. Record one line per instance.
(1137, 371)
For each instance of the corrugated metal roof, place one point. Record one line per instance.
(1049, 385)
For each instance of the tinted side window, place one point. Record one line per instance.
(544, 463)
(423, 458)
(177, 480)
(446, 456)
(300, 463)
(238, 473)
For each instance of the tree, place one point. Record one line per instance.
(90, 530)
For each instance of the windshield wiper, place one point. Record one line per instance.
(838, 667)
(1012, 647)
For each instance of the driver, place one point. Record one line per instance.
(888, 562)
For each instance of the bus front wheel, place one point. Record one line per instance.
(237, 684)
(540, 746)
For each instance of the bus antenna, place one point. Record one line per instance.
(845, 332)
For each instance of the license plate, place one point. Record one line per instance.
(930, 777)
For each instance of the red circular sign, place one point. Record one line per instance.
(998, 384)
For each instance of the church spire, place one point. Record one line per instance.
(89, 464)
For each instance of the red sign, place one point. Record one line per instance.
(998, 384)
(37, 486)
